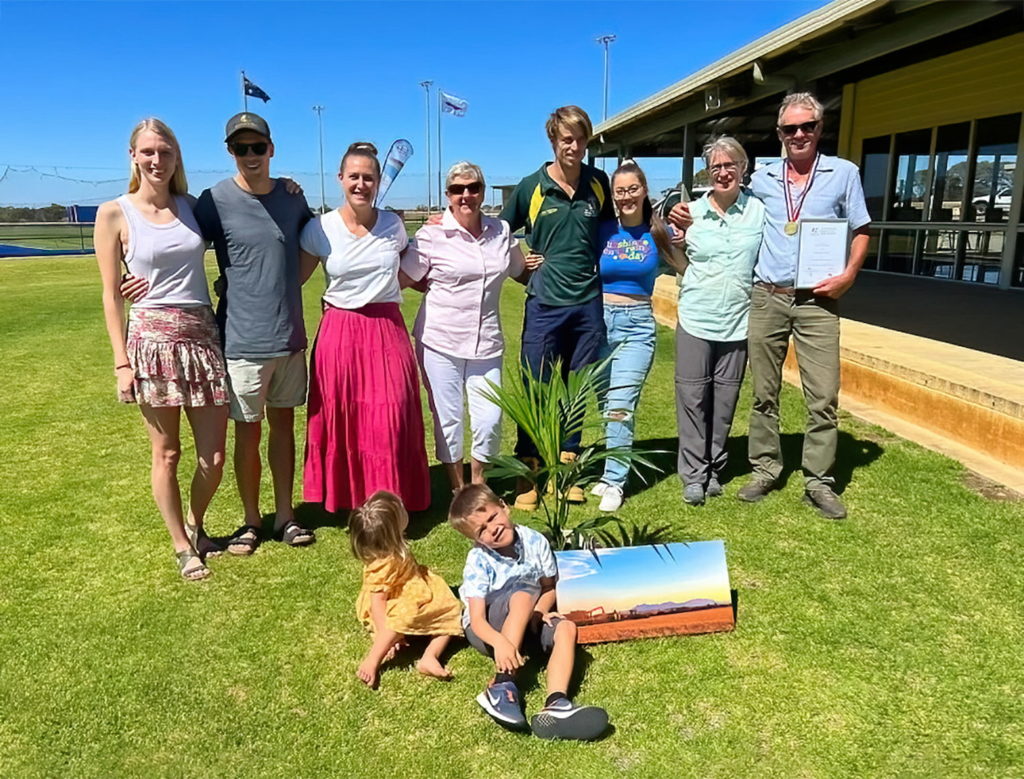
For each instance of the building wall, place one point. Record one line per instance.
(981, 81)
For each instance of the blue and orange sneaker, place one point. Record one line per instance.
(501, 701)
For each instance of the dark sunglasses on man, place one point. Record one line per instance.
(473, 188)
(240, 149)
(806, 127)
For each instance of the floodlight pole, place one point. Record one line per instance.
(605, 40)
(426, 87)
(319, 110)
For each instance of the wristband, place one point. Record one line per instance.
(122, 365)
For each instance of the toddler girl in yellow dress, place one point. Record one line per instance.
(399, 596)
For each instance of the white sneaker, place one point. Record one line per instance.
(599, 488)
(611, 498)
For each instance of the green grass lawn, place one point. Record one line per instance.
(886, 645)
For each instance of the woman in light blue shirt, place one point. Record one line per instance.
(714, 299)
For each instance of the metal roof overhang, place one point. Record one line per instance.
(809, 53)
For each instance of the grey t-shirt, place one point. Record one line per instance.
(256, 238)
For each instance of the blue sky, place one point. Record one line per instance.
(79, 75)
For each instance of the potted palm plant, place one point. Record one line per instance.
(550, 409)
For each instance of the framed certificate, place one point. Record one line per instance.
(824, 245)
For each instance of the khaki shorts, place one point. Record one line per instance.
(278, 382)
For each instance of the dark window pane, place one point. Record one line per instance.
(911, 181)
(897, 251)
(938, 255)
(994, 167)
(983, 256)
(874, 241)
(951, 173)
(1017, 280)
(875, 168)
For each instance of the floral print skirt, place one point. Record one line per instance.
(176, 356)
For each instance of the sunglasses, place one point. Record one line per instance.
(240, 149)
(806, 127)
(474, 188)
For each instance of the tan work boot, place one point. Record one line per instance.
(527, 498)
(575, 493)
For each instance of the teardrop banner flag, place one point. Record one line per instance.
(398, 154)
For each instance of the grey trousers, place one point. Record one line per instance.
(708, 379)
(813, 323)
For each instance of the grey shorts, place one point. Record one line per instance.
(278, 382)
(497, 613)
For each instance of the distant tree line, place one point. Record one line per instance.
(50, 213)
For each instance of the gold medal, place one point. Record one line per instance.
(791, 228)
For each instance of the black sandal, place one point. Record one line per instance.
(295, 534)
(243, 542)
(202, 543)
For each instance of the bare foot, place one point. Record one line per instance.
(429, 665)
(393, 650)
(367, 673)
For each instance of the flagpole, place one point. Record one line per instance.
(319, 109)
(430, 184)
(245, 97)
(440, 163)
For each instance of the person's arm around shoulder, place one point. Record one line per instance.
(313, 248)
(109, 245)
(856, 211)
(415, 262)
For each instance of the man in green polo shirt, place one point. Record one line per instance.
(562, 205)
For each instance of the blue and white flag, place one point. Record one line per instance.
(398, 154)
(251, 90)
(451, 104)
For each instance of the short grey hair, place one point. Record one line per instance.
(728, 146)
(464, 170)
(804, 100)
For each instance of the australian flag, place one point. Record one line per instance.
(251, 90)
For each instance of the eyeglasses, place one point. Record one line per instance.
(240, 149)
(473, 188)
(807, 128)
(727, 167)
(627, 191)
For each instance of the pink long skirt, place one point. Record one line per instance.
(365, 426)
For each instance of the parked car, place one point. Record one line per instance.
(1001, 201)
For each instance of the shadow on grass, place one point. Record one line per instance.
(851, 454)
(314, 516)
(664, 458)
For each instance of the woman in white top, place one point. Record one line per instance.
(365, 426)
(169, 359)
(463, 262)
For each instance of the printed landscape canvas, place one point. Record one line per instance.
(643, 591)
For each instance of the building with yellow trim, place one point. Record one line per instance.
(926, 96)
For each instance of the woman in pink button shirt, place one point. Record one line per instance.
(463, 261)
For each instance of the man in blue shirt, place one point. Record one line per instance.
(806, 184)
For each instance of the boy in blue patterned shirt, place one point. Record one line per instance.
(508, 588)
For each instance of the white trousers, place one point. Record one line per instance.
(446, 379)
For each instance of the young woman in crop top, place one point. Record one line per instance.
(634, 246)
(169, 357)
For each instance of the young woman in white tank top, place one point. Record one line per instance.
(169, 357)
